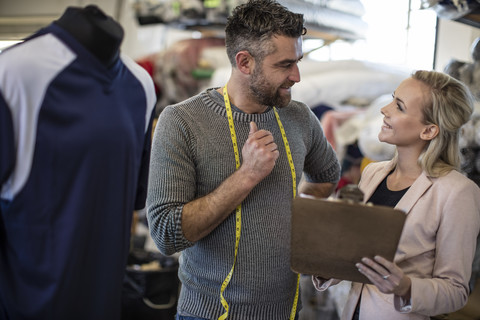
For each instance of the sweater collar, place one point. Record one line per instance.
(214, 100)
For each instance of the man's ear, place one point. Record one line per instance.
(245, 62)
(429, 132)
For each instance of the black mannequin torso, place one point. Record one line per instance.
(97, 32)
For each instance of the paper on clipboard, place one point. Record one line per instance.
(329, 237)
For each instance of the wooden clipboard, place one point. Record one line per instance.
(329, 237)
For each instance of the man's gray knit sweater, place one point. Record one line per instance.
(192, 154)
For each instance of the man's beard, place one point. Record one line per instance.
(265, 93)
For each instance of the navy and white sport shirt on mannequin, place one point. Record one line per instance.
(75, 141)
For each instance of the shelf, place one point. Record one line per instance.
(472, 19)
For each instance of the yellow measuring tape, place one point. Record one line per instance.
(238, 210)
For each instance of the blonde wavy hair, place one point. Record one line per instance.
(450, 106)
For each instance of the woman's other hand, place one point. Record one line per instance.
(386, 276)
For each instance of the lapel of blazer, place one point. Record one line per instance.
(418, 188)
(377, 178)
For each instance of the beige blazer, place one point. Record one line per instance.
(436, 248)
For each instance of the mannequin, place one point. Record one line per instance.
(96, 31)
(76, 120)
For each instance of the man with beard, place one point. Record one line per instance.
(225, 166)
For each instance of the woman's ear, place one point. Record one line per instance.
(245, 62)
(429, 132)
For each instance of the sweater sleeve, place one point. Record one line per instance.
(321, 163)
(171, 183)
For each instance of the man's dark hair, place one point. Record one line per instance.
(253, 24)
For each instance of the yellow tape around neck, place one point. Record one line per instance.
(238, 210)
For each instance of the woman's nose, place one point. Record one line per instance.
(384, 110)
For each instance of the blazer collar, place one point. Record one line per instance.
(416, 190)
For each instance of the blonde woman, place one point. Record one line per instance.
(432, 266)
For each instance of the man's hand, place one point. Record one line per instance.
(259, 153)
